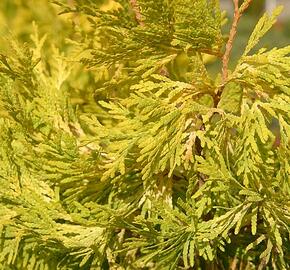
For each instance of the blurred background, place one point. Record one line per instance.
(16, 17)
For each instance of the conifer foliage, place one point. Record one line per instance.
(123, 152)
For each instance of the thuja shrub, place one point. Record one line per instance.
(123, 152)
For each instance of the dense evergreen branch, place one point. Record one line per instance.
(151, 174)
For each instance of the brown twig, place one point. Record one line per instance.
(238, 11)
(229, 45)
(136, 9)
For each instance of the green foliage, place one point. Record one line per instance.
(262, 27)
(117, 151)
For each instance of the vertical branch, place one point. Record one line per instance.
(229, 45)
(136, 9)
(238, 11)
